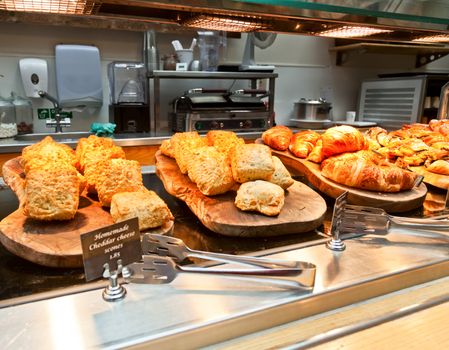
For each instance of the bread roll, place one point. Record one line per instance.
(278, 137)
(262, 196)
(251, 162)
(146, 205)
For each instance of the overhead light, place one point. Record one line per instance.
(225, 23)
(51, 6)
(352, 32)
(439, 38)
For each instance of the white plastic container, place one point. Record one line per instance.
(24, 114)
(185, 56)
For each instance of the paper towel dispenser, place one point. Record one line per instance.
(78, 76)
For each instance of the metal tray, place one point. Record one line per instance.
(195, 311)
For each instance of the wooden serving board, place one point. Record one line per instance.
(53, 243)
(437, 180)
(303, 210)
(391, 202)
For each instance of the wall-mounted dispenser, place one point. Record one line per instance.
(78, 76)
(34, 75)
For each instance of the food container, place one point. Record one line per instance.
(307, 109)
(24, 114)
(8, 125)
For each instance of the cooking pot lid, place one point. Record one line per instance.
(314, 102)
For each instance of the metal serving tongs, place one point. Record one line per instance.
(357, 219)
(161, 270)
(175, 248)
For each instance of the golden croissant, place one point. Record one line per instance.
(367, 170)
(277, 137)
(303, 142)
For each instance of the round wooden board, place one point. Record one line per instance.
(53, 243)
(391, 202)
(437, 180)
(303, 210)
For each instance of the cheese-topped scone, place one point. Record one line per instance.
(52, 193)
(146, 205)
(115, 176)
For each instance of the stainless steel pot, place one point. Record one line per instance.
(312, 109)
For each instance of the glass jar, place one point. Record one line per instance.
(24, 114)
(170, 61)
(8, 125)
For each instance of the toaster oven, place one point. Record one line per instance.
(203, 110)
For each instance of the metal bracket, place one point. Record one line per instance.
(115, 291)
(335, 243)
(424, 58)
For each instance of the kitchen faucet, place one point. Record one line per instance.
(444, 102)
(58, 126)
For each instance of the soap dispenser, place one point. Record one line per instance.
(34, 75)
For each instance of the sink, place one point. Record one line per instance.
(75, 135)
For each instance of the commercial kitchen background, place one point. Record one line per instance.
(305, 66)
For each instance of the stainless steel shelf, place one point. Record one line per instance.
(211, 75)
(424, 53)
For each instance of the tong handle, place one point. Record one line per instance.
(246, 260)
(245, 272)
(305, 275)
(422, 223)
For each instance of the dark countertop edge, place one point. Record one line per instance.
(14, 146)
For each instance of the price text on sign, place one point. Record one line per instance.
(108, 244)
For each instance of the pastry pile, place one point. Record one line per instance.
(415, 145)
(56, 175)
(344, 155)
(221, 161)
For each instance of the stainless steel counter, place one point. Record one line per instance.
(194, 311)
(10, 145)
